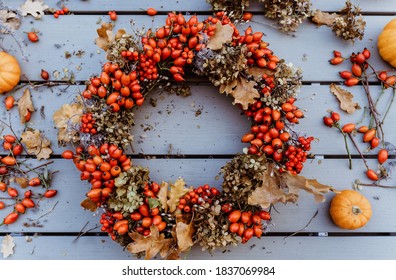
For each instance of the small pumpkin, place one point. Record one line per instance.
(10, 72)
(387, 43)
(350, 210)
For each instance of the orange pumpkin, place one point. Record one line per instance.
(387, 43)
(350, 210)
(10, 72)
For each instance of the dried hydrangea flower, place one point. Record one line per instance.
(233, 8)
(289, 14)
(350, 25)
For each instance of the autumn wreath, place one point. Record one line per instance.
(153, 218)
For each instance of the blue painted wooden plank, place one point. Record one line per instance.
(377, 6)
(266, 248)
(214, 126)
(312, 46)
(68, 216)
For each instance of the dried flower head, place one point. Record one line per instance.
(289, 14)
(233, 8)
(350, 24)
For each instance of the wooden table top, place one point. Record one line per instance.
(207, 140)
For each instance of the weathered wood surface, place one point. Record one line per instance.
(206, 128)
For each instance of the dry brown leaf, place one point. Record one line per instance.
(296, 183)
(88, 204)
(345, 98)
(151, 244)
(66, 119)
(223, 34)
(36, 8)
(36, 144)
(25, 105)
(22, 181)
(106, 37)
(323, 18)
(184, 234)
(270, 192)
(7, 246)
(163, 196)
(284, 188)
(173, 255)
(243, 91)
(9, 21)
(177, 190)
(257, 72)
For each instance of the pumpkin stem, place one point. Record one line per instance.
(356, 210)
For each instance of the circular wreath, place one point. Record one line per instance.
(148, 217)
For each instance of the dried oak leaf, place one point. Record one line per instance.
(25, 105)
(345, 98)
(22, 181)
(296, 183)
(9, 21)
(106, 37)
(270, 191)
(223, 34)
(36, 144)
(184, 235)
(66, 120)
(88, 204)
(152, 244)
(163, 196)
(257, 72)
(323, 18)
(177, 190)
(243, 91)
(284, 188)
(36, 8)
(7, 246)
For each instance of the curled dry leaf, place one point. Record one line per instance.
(323, 18)
(184, 234)
(106, 37)
(177, 190)
(7, 246)
(25, 105)
(88, 204)
(163, 196)
(223, 34)
(66, 120)
(243, 91)
(284, 188)
(345, 98)
(152, 244)
(22, 181)
(36, 144)
(36, 8)
(9, 21)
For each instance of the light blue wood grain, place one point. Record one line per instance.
(197, 5)
(68, 216)
(266, 248)
(312, 46)
(219, 127)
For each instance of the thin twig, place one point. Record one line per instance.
(357, 148)
(375, 185)
(91, 229)
(49, 211)
(79, 234)
(346, 145)
(389, 106)
(304, 228)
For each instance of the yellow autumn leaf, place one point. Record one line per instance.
(106, 37)
(243, 91)
(66, 120)
(25, 105)
(223, 34)
(36, 144)
(152, 244)
(177, 190)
